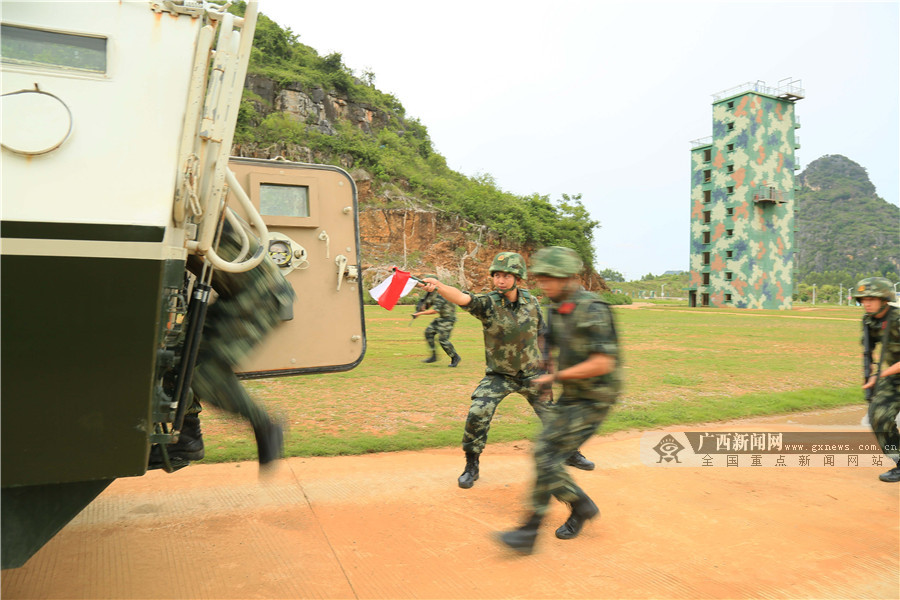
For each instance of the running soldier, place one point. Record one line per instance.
(881, 325)
(581, 329)
(512, 321)
(440, 327)
(249, 306)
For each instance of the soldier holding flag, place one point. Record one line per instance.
(512, 322)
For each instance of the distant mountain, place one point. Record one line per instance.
(843, 227)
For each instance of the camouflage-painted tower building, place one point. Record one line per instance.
(742, 199)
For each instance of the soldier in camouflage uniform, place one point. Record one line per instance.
(581, 329)
(512, 321)
(440, 327)
(881, 325)
(249, 306)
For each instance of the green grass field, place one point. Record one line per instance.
(682, 365)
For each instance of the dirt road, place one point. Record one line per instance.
(397, 526)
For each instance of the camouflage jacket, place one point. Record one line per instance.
(446, 310)
(510, 332)
(889, 325)
(578, 327)
(249, 305)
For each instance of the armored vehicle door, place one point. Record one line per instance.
(311, 215)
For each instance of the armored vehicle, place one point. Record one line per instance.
(118, 119)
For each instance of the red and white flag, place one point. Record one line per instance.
(389, 291)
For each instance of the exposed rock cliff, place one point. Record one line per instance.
(396, 229)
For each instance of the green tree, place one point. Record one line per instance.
(610, 275)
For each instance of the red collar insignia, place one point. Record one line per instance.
(566, 308)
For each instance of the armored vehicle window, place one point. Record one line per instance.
(26, 46)
(283, 200)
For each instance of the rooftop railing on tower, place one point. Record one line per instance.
(787, 89)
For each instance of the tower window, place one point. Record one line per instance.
(706, 237)
(707, 195)
(729, 211)
(706, 279)
(707, 155)
(706, 258)
(707, 176)
(727, 297)
(728, 276)
(706, 216)
(730, 189)
(731, 147)
(729, 232)
(730, 127)
(729, 254)
(730, 168)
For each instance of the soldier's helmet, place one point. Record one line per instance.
(875, 287)
(509, 262)
(556, 261)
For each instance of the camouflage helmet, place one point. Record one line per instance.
(875, 287)
(556, 261)
(509, 262)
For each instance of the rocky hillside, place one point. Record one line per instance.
(397, 227)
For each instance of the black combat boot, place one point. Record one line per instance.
(578, 461)
(269, 442)
(189, 446)
(583, 510)
(432, 358)
(522, 539)
(470, 475)
(454, 359)
(892, 476)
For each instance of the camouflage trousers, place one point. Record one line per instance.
(567, 425)
(249, 306)
(492, 389)
(883, 411)
(441, 329)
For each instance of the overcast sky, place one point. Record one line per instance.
(603, 98)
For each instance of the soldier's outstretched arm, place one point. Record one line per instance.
(448, 292)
